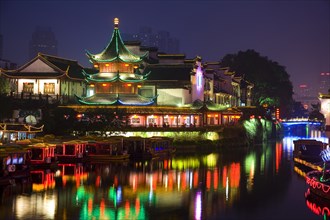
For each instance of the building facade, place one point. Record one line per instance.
(57, 78)
(160, 39)
(161, 90)
(43, 41)
(325, 108)
(137, 86)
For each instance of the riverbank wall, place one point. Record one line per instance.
(245, 133)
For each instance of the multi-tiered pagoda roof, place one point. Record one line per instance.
(116, 51)
(115, 69)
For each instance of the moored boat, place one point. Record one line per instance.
(40, 153)
(160, 146)
(109, 149)
(71, 151)
(307, 152)
(141, 148)
(136, 147)
(13, 163)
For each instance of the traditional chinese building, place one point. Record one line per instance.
(119, 78)
(150, 93)
(325, 108)
(56, 78)
(137, 85)
(14, 131)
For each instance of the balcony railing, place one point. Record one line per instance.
(48, 98)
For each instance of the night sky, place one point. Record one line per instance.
(296, 34)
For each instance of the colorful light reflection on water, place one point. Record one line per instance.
(248, 184)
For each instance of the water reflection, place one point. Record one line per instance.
(237, 184)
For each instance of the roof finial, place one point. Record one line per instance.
(116, 22)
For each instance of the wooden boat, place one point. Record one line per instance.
(110, 149)
(148, 148)
(160, 146)
(307, 152)
(40, 154)
(71, 151)
(13, 163)
(136, 147)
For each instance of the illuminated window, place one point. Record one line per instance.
(49, 88)
(135, 120)
(28, 87)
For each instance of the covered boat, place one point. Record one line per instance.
(307, 152)
(40, 153)
(13, 163)
(109, 149)
(71, 151)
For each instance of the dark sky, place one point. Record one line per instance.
(294, 33)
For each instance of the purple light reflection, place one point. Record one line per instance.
(198, 206)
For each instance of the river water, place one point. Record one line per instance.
(256, 183)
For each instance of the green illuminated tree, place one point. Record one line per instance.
(272, 85)
(4, 86)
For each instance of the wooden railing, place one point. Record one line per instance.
(48, 98)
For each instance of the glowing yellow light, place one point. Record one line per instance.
(107, 64)
(225, 116)
(104, 84)
(135, 67)
(139, 86)
(96, 66)
(91, 85)
(135, 116)
(209, 116)
(126, 64)
(129, 84)
(116, 21)
(216, 116)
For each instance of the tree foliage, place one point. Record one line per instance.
(298, 110)
(4, 85)
(272, 85)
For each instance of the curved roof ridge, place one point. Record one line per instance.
(116, 51)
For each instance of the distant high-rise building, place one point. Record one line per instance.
(324, 80)
(162, 40)
(44, 41)
(305, 96)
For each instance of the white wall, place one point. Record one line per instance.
(39, 85)
(325, 110)
(173, 97)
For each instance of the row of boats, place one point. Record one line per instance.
(18, 158)
(314, 157)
